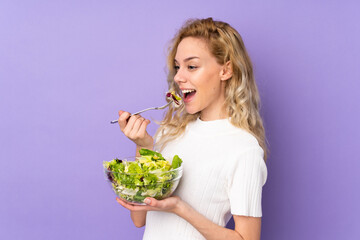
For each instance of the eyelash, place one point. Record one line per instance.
(191, 67)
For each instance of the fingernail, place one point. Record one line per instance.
(147, 201)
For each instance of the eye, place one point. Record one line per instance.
(191, 67)
(176, 68)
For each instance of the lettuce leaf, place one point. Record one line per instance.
(176, 162)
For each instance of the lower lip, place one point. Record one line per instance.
(189, 99)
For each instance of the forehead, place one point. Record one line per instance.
(192, 47)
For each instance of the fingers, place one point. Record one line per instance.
(136, 127)
(142, 129)
(132, 207)
(156, 204)
(127, 122)
(170, 204)
(132, 128)
(123, 116)
(150, 201)
(130, 124)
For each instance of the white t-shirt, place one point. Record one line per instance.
(223, 174)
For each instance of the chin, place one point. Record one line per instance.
(191, 110)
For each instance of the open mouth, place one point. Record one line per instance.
(188, 94)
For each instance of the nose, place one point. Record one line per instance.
(179, 77)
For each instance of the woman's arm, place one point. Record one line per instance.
(134, 127)
(246, 228)
(249, 227)
(138, 218)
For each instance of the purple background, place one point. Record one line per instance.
(67, 67)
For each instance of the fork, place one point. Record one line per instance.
(147, 109)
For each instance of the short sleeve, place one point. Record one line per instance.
(245, 183)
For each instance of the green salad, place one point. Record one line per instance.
(150, 175)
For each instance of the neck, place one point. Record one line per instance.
(211, 116)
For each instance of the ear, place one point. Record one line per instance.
(226, 71)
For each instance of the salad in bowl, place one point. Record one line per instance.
(148, 175)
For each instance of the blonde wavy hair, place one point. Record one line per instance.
(241, 94)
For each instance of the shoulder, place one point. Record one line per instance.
(242, 140)
(246, 153)
(247, 158)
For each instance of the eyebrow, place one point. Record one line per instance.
(187, 59)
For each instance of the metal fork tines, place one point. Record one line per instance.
(147, 109)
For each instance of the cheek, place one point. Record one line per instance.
(212, 85)
(207, 84)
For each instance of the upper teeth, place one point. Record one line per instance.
(187, 91)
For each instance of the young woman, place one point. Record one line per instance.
(217, 132)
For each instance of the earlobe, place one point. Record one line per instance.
(226, 72)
